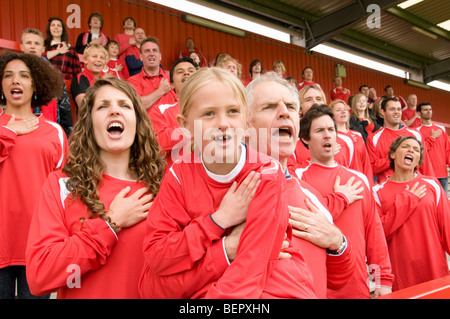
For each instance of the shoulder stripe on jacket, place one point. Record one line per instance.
(61, 141)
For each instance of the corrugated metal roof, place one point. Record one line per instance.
(400, 33)
(410, 37)
(435, 11)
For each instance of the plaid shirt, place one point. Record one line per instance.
(68, 63)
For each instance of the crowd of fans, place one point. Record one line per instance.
(194, 182)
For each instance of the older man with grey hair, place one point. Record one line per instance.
(274, 127)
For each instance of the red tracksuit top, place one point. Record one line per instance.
(360, 223)
(162, 114)
(438, 148)
(183, 247)
(25, 162)
(361, 159)
(417, 229)
(332, 271)
(61, 248)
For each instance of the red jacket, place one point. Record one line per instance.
(426, 220)
(438, 148)
(184, 253)
(61, 250)
(360, 223)
(332, 271)
(25, 162)
(162, 114)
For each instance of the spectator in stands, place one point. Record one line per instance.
(196, 58)
(116, 65)
(190, 46)
(95, 59)
(58, 110)
(89, 219)
(219, 56)
(361, 160)
(307, 75)
(410, 115)
(360, 120)
(389, 90)
(339, 92)
(359, 221)
(292, 81)
(195, 227)
(126, 39)
(313, 229)
(279, 68)
(255, 70)
(59, 51)
(364, 89)
(372, 95)
(377, 112)
(62, 55)
(371, 98)
(378, 144)
(152, 84)
(163, 118)
(229, 63)
(413, 206)
(436, 142)
(310, 95)
(133, 54)
(92, 36)
(31, 148)
(344, 151)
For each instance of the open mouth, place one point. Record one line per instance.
(222, 138)
(16, 93)
(327, 146)
(408, 159)
(115, 129)
(283, 133)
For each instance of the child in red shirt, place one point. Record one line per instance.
(186, 249)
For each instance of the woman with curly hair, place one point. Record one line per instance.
(31, 147)
(87, 233)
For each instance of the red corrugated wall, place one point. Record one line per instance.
(167, 25)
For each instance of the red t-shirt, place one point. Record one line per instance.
(25, 162)
(360, 223)
(408, 114)
(332, 271)
(405, 216)
(60, 247)
(340, 94)
(438, 148)
(183, 248)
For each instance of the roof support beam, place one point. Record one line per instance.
(326, 27)
(436, 70)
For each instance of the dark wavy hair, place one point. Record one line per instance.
(84, 166)
(49, 37)
(47, 81)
